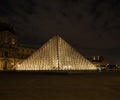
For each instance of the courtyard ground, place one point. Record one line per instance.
(37, 86)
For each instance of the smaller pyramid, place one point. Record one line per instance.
(56, 54)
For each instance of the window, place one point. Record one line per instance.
(13, 41)
(6, 54)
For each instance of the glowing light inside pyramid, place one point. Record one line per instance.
(56, 54)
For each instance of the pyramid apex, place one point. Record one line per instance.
(58, 34)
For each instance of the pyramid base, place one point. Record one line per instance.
(51, 71)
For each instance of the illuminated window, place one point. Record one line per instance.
(13, 41)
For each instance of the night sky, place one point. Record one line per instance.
(91, 26)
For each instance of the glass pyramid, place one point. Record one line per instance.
(56, 54)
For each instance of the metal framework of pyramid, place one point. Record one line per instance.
(56, 54)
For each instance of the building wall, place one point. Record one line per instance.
(11, 53)
(99, 61)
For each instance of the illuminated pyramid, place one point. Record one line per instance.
(56, 54)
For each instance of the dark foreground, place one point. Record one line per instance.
(37, 86)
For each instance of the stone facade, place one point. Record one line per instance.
(12, 53)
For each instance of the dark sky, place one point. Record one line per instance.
(91, 26)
